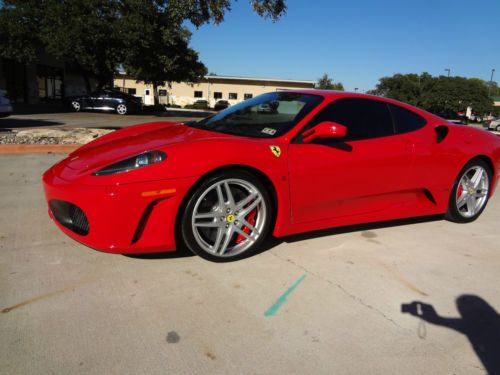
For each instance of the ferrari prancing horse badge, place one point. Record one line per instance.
(276, 151)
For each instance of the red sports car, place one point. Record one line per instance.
(315, 159)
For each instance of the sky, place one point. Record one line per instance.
(355, 41)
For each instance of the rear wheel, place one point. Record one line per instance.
(76, 106)
(470, 192)
(498, 128)
(121, 109)
(228, 217)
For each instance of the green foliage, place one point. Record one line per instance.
(436, 94)
(326, 83)
(147, 37)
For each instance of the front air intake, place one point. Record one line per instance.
(70, 216)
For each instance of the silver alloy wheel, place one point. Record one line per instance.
(121, 109)
(229, 217)
(472, 191)
(76, 106)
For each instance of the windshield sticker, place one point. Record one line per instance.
(269, 131)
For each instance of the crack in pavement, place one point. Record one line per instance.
(343, 290)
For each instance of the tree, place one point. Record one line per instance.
(326, 83)
(436, 94)
(147, 37)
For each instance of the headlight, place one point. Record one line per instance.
(135, 162)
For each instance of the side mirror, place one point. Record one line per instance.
(325, 129)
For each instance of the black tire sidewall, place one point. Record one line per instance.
(452, 214)
(186, 229)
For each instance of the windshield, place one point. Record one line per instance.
(265, 116)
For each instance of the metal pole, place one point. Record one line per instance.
(491, 82)
(448, 70)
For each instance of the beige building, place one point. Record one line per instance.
(210, 88)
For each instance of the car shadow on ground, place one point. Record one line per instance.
(7, 124)
(354, 228)
(272, 241)
(478, 321)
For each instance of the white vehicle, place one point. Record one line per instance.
(495, 124)
(5, 106)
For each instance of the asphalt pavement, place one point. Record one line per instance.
(342, 301)
(95, 119)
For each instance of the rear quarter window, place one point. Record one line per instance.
(406, 121)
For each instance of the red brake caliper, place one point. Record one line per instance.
(250, 220)
(460, 191)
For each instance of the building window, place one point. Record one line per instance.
(198, 94)
(50, 82)
(132, 91)
(233, 96)
(248, 96)
(162, 92)
(217, 95)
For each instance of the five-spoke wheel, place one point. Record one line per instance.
(228, 217)
(470, 192)
(121, 109)
(76, 106)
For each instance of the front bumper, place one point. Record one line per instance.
(129, 218)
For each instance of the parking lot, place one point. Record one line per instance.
(94, 119)
(337, 301)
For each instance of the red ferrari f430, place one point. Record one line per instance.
(280, 163)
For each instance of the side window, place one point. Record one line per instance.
(405, 120)
(364, 118)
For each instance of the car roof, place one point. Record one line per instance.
(334, 94)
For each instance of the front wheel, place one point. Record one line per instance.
(121, 109)
(228, 217)
(470, 192)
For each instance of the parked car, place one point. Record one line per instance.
(221, 104)
(220, 186)
(5, 106)
(476, 117)
(200, 104)
(494, 124)
(105, 100)
(453, 117)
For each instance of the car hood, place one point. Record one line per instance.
(134, 140)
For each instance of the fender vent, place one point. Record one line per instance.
(441, 133)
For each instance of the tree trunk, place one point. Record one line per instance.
(85, 77)
(155, 93)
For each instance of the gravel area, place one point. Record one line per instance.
(51, 136)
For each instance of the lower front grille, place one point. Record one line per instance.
(70, 216)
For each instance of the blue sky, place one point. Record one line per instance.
(356, 42)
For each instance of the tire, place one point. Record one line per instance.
(221, 227)
(121, 109)
(497, 128)
(470, 192)
(76, 106)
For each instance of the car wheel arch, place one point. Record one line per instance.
(486, 159)
(264, 178)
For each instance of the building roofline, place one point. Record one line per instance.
(236, 78)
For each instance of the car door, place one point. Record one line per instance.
(367, 171)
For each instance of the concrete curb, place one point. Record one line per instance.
(38, 149)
